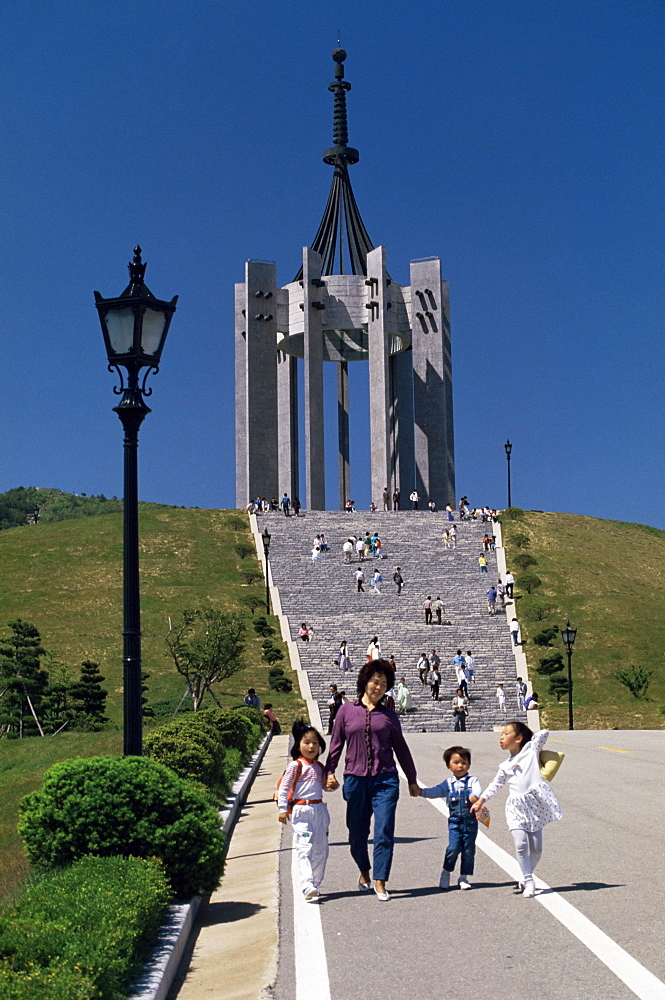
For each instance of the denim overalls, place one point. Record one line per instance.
(462, 827)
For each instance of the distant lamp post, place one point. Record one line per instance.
(568, 635)
(265, 538)
(134, 325)
(508, 446)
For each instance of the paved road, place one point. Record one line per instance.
(604, 862)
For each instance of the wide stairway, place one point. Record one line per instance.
(324, 595)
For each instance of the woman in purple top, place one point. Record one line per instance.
(372, 734)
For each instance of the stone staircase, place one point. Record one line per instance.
(324, 595)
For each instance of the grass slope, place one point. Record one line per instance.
(66, 578)
(607, 577)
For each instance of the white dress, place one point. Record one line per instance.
(531, 804)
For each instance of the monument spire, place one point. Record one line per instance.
(341, 223)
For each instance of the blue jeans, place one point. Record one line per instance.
(366, 796)
(461, 840)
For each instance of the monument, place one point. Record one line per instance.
(343, 306)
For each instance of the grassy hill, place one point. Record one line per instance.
(66, 578)
(607, 577)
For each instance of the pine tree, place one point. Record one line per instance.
(89, 698)
(22, 681)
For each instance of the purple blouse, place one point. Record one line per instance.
(371, 738)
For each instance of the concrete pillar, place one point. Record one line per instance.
(313, 367)
(402, 456)
(432, 383)
(287, 411)
(343, 432)
(256, 384)
(379, 373)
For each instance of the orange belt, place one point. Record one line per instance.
(306, 802)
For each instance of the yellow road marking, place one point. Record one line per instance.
(616, 749)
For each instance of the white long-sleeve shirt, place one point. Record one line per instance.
(522, 770)
(309, 786)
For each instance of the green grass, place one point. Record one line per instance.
(607, 577)
(66, 578)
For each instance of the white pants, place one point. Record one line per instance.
(310, 842)
(528, 849)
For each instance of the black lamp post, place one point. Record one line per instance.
(508, 446)
(265, 538)
(134, 326)
(568, 635)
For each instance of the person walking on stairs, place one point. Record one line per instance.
(360, 579)
(427, 608)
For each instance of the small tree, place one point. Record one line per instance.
(22, 681)
(89, 698)
(637, 681)
(244, 549)
(206, 647)
(545, 637)
(263, 627)
(529, 582)
(519, 540)
(558, 686)
(252, 600)
(523, 560)
(56, 710)
(550, 664)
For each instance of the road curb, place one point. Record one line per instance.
(159, 972)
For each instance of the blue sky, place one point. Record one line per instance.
(519, 141)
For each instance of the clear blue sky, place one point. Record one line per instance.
(519, 141)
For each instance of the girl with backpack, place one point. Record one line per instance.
(300, 796)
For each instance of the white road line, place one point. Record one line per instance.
(311, 964)
(638, 979)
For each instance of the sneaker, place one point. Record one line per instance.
(529, 889)
(444, 881)
(463, 882)
(311, 895)
(519, 887)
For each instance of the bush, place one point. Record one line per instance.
(233, 729)
(255, 716)
(637, 681)
(519, 540)
(544, 638)
(558, 686)
(189, 750)
(512, 514)
(271, 654)
(523, 560)
(130, 806)
(534, 609)
(529, 582)
(243, 549)
(550, 664)
(281, 684)
(263, 627)
(83, 931)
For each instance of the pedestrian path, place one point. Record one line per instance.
(323, 594)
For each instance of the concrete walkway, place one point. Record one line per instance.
(234, 948)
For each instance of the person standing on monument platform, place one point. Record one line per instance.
(396, 498)
(286, 503)
(414, 498)
(386, 498)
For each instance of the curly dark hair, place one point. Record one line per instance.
(375, 667)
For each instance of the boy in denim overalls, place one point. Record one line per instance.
(460, 792)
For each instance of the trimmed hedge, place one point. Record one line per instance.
(82, 932)
(131, 806)
(189, 749)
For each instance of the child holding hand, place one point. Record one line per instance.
(531, 804)
(460, 792)
(300, 796)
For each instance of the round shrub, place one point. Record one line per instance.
(282, 684)
(529, 581)
(256, 717)
(130, 806)
(232, 728)
(523, 560)
(189, 750)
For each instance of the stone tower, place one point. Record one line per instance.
(343, 306)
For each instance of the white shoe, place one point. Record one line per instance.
(444, 881)
(383, 896)
(463, 882)
(529, 889)
(311, 895)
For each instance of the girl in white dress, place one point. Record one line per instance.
(531, 804)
